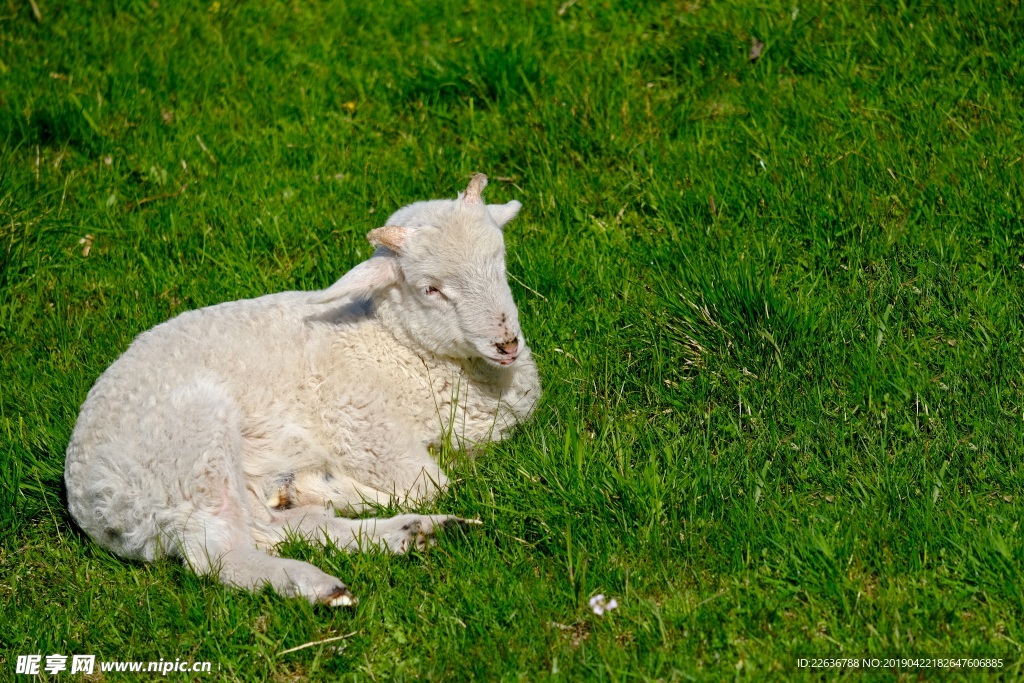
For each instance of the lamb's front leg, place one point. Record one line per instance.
(324, 489)
(400, 473)
(398, 534)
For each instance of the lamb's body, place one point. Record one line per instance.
(224, 429)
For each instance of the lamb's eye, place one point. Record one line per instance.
(432, 291)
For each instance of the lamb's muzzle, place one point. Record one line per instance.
(508, 348)
(508, 351)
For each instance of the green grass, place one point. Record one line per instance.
(777, 308)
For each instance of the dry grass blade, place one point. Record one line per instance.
(156, 198)
(316, 642)
(528, 287)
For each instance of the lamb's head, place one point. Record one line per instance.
(438, 277)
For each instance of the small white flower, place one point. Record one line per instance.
(599, 605)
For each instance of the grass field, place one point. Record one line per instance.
(777, 307)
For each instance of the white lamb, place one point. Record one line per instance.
(222, 431)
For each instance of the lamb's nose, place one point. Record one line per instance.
(508, 348)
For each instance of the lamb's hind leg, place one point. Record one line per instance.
(210, 527)
(223, 546)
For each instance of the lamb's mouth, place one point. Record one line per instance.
(503, 360)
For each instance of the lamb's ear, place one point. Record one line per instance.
(366, 278)
(393, 237)
(503, 213)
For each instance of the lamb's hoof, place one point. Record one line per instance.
(341, 597)
(420, 531)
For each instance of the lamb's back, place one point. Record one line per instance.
(245, 348)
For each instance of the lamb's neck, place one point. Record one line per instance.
(391, 320)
